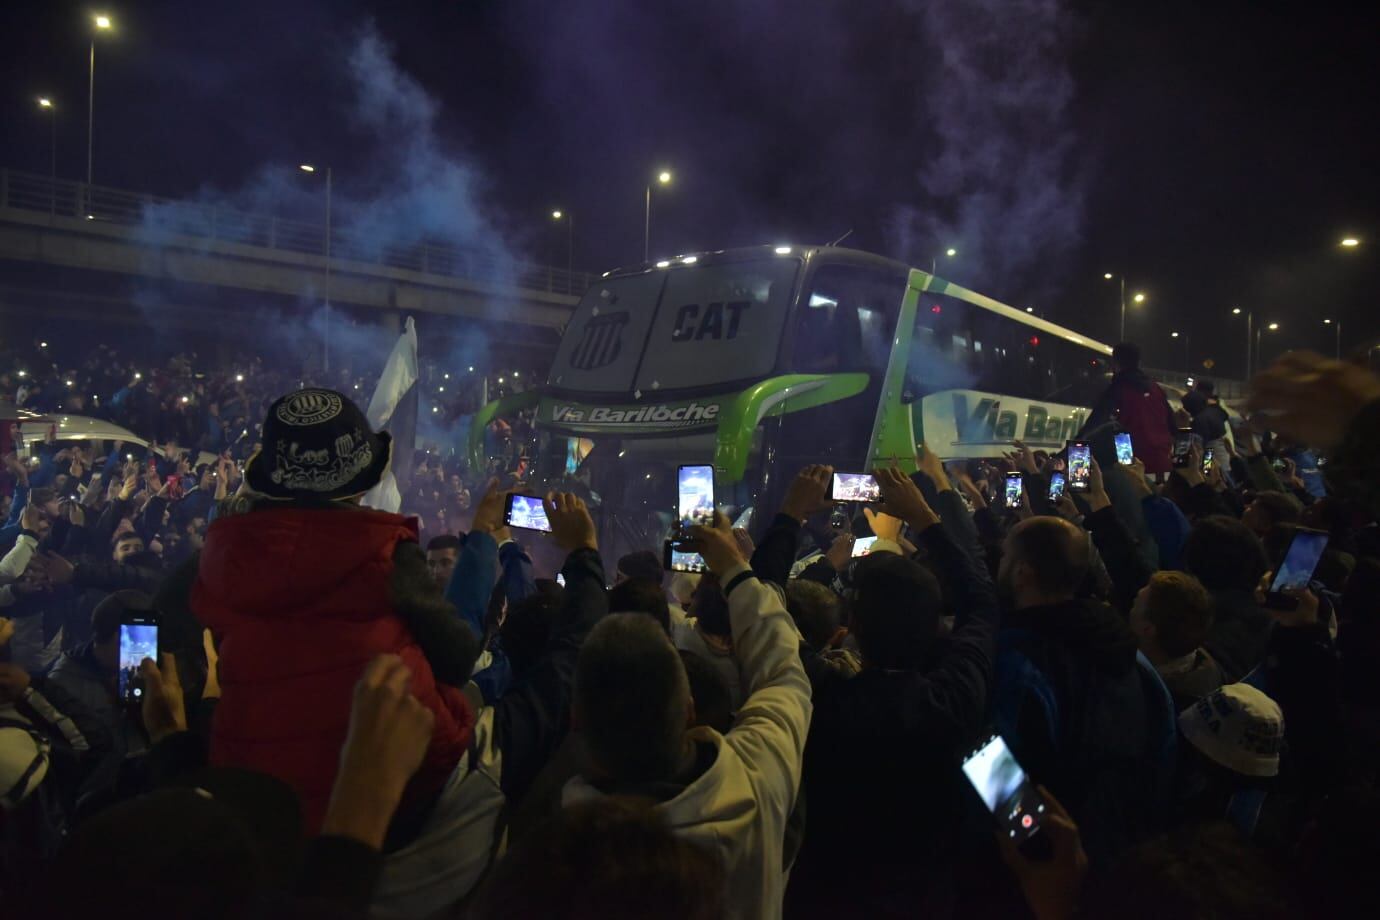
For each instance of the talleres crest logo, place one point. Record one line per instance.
(309, 407)
(601, 342)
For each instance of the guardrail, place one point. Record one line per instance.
(64, 198)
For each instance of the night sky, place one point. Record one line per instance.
(1215, 153)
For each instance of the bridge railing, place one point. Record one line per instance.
(165, 216)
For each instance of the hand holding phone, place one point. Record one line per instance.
(1183, 443)
(1124, 454)
(855, 487)
(1013, 491)
(526, 512)
(1004, 788)
(1295, 571)
(138, 640)
(1056, 487)
(695, 495)
(1080, 466)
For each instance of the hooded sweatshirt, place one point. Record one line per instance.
(300, 600)
(742, 793)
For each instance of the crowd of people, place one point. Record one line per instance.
(348, 719)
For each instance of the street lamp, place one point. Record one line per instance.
(1273, 327)
(46, 105)
(1351, 242)
(326, 324)
(1250, 322)
(103, 24)
(1173, 335)
(663, 178)
(569, 219)
(934, 262)
(1139, 298)
(1338, 324)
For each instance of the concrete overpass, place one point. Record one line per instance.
(67, 230)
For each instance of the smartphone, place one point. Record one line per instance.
(1208, 460)
(1183, 443)
(138, 640)
(1124, 454)
(855, 487)
(1080, 466)
(1296, 569)
(1005, 789)
(862, 546)
(1056, 486)
(677, 561)
(560, 579)
(695, 495)
(1013, 490)
(526, 512)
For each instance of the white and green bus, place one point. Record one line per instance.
(764, 359)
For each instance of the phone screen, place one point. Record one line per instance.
(695, 495)
(1005, 789)
(1183, 443)
(1302, 557)
(527, 512)
(862, 546)
(677, 561)
(138, 640)
(1056, 486)
(1013, 490)
(855, 487)
(1080, 466)
(1124, 454)
(560, 579)
(1208, 460)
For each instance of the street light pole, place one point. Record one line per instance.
(101, 22)
(1122, 338)
(1250, 321)
(663, 177)
(47, 104)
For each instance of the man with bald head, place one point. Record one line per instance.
(1084, 712)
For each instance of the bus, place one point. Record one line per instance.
(762, 360)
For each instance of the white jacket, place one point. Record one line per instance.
(739, 806)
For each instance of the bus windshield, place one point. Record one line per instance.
(685, 327)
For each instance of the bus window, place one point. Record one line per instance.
(844, 322)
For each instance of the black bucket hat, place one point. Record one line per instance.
(317, 446)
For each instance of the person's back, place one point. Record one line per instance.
(1229, 560)
(1142, 409)
(1083, 711)
(303, 590)
(732, 793)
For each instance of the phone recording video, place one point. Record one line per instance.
(1056, 486)
(1013, 490)
(1005, 789)
(138, 640)
(1124, 454)
(1183, 443)
(526, 512)
(1296, 570)
(1080, 466)
(863, 546)
(678, 561)
(695, 495)
(855, 487)
(1209, 458)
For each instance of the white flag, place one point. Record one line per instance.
(396, 387)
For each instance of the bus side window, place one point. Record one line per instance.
(844, 322)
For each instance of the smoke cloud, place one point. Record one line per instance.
(1002, 187)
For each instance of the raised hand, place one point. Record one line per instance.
(717, 545)
(808, 492)
(904, 499)
(571, 526)
(163, 707)
(928, 462)
(488, 517)
(884, 526)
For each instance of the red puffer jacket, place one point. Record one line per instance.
(299, 603)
